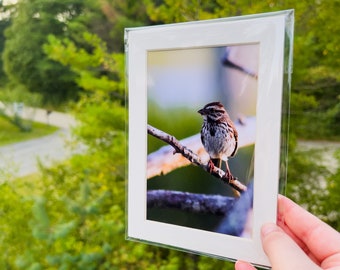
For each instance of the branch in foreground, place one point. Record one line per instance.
(195, 203)
(193, 158)
(163, 161)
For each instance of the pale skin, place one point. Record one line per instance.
(300, 241)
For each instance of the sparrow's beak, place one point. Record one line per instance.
(202, 112)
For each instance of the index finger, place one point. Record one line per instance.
(320, 239)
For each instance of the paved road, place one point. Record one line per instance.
(22, 158)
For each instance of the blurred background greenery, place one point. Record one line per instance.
(70, 52)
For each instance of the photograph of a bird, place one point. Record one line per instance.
(218, 134)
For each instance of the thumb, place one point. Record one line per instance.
(282, 251)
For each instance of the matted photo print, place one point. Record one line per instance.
(208, 113)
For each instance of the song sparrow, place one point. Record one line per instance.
(218, 134)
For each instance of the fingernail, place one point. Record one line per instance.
(268, 228)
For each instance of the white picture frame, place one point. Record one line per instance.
(272, 33)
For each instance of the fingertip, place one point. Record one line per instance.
(280, 196)
(241, 265)
(278, 246)
(285, 203)
(280, 207)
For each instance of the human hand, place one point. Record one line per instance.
(301, 241)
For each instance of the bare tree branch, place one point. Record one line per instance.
(164, 161)
(195, 159)
(195, 203)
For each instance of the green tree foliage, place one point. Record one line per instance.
(332, 200)
(14, 212)
(3, 25)
(24, 61)
(122, 14)
(313, 183)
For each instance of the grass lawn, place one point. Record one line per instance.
(11, 134)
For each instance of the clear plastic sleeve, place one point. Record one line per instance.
(246, 64)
